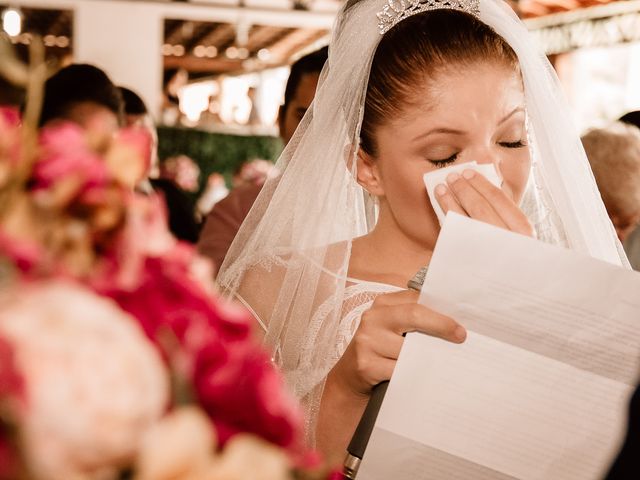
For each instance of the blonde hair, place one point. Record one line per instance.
(614, 155)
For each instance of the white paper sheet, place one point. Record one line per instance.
(436, 177)
(541, 386)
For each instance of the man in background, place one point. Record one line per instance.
(632, 242)
(614, 155)
(223, 222)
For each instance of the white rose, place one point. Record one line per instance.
(94, 382)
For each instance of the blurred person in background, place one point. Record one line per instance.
(180, 210)
(632, 242)
(223, 222)
(631, 118)
(614, 155)
(215, 190)
(84, 94)
(136, 115)
(254, 172)
(182, 170)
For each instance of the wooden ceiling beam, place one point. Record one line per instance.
(222, 33)
(261, 35)
(173, 31)
(201, 30)
(210, 66)
(282, 50)
(62, 24)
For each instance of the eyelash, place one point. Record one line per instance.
(446, 161)
(518, 144)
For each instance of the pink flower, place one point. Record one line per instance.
(11, 402)
(11, 382)
(129, 155)
(9, 117)
(24, 255)
(336, 475)
(233, 379)
(140, 140)
(66, 154)
(8, 462)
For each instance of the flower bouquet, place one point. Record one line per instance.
(117, 357)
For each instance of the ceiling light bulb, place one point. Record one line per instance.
(12, 22)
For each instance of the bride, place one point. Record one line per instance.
(324, 257)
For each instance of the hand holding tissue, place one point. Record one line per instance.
(435, 178)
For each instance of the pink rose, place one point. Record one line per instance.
(140, 140)
(8, 463)
(66, 154)
(233, 379)
(12, 402)
(11, 382)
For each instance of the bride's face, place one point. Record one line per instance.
(467, 113)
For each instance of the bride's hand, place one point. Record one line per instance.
(372, 354)
(472, 195)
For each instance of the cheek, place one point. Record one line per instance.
(290, 123)
(515, 171)
(406, 194)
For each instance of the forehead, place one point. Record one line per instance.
(466, 92)
(84, 112)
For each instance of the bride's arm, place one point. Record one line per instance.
(370, 359)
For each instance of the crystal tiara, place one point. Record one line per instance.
(394, 11)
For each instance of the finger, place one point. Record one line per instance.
(447, 200)
(381, 370)
(388, 345)
(396, 298)
(509, 212)
(473, 202)
(402, 319)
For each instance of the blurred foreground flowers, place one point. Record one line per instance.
(117, 357)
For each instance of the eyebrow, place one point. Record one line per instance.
(508, 116)
(452, 131)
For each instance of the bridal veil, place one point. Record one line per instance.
(289, 262)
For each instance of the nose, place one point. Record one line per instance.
(486, 157)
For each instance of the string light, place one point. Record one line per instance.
(12, 22)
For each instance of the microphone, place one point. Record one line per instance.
(360, 439)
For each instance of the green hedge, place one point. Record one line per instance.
(215, 152)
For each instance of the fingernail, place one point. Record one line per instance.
(460, 334)
(452, 177)
(441, 190)
(469, 174)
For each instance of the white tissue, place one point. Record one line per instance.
(435, 178)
